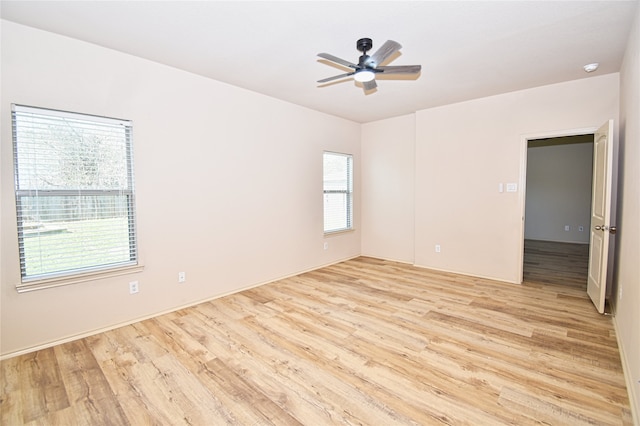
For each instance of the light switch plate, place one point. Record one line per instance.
(512, 187)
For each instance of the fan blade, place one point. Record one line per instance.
(387, 49)
(370, 85)
(335, 77)
(400, 69)
(337, 60)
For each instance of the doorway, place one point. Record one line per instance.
(558, 175)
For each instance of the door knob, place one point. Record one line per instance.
(598, 228)
(612, 229)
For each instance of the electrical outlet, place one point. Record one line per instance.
(182, 277)
(133, 287)
(437, 248)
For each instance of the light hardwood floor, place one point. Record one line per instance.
(362, 342)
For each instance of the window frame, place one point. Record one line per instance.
(348, 192)
(124, 194)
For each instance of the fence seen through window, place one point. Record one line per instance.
(74, 192)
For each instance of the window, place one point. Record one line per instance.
(338, 192)
(74, 193)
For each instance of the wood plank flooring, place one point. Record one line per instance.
(363, 342)
(556, 263)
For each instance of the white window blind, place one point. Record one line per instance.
(74, 193)
(338, 191)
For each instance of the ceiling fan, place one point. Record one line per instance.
(368, 66)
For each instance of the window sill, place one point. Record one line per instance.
(338, 231)
(77, 279)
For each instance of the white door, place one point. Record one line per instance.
(600, 214)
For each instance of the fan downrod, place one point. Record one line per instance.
(364, 45)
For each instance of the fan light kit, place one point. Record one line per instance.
(368, 66)
(364, 76)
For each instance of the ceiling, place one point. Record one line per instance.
(467, 49)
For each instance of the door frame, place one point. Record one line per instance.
(524, 144)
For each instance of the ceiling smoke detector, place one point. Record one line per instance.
(591, 67)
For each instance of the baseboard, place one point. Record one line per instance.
(388, 259)
(634, 398)
(156, 314)
(484, 277)
(558, 241)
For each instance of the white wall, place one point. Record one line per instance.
(388, 151)
(558, 192)
(228, 184)
(463, 152)
(626, 298)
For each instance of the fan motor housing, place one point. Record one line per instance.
(364, 45)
